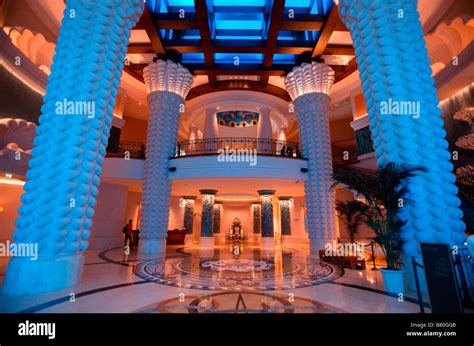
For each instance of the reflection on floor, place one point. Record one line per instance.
(226, 279)
(237, 269)
(240, 302)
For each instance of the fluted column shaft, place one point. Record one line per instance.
(69, 151)
(312, 111)
(161, 141)
(394, 67)
(309, 87)
(167, 84)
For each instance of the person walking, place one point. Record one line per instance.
(127, 230)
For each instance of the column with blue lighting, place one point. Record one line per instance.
(394, 70)
(309, 86)
(63, 179)
(168, 84)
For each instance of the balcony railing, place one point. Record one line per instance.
(203, 147)
(230, 145)
(129, 149)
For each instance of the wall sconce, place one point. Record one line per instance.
(1, 209)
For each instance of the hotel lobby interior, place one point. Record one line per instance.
(212, 156)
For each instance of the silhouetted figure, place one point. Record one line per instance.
(283, 151)
(128, 234)
(298, 153)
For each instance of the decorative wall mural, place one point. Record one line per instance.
(237, 118)
(216, 225)
(257, 218)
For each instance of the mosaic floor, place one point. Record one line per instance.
(251, 270)
(241, 302)
(229, 279)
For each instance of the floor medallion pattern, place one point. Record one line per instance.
(252, 270)
(240, 302)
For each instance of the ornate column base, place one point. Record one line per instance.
(206, 241)
(152, 246)
(286, 239)
(45, 274)
(268, 242)
(188, 239)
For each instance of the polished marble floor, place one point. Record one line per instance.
(229, 278)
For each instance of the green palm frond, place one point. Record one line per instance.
(383, 192)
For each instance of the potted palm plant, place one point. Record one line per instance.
(385, 193)
(350, 213)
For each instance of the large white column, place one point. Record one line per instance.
(168, 84)
(211, 130)
(264, 131)
(63, 179)
(282, 139)
(394, 68)
(193, 133)
(309, 87)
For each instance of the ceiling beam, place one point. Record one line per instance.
(175, 21)
(349, 69)
(303, 22)
(338, 49)
(184, 46)
(272, 37)
(326, 32)
(147, 23)
(140, 48)
(177, 24)
(133, 73)
(238, 85)
(222, 72)
(202, 18)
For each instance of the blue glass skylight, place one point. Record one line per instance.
(237, 59)
(234, 23)
(284, 59)
(240, 3)
(192, 58)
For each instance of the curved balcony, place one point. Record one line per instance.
(257, 158)
(236, 145)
